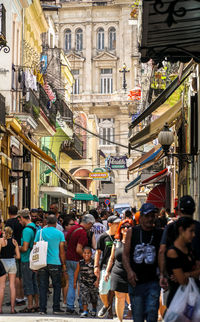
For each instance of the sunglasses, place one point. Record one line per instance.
(125, 226)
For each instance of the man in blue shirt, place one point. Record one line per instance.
(55, 265)
(28, 276)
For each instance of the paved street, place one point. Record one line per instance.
(36, 317)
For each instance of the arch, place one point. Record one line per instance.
(79, 39)
(100, 39)
(82, 174)
(68, 40)
(112, 38)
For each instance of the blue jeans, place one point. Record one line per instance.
(29, 279)
(145, 301)
(71, 267)
(53, 271)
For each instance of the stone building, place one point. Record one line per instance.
(99, 40)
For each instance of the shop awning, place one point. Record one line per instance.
(85, 197)
(157, 196)
(133, 183)
(161, 99)
(170, 30)
(57, 192)
(137, 163)
(29, 145)
(151, 131)
(159, 176)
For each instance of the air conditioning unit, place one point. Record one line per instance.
(48, 180)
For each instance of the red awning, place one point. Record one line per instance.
(157, 196)
(156, 177)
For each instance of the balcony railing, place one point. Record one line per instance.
(2, 22)
(65, 112)
(2, 110)
(73, 148)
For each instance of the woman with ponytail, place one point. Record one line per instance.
(9, 251)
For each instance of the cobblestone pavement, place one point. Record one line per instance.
(36, 317)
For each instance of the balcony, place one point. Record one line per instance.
(74, 148)
(2, 111)
(65, 113)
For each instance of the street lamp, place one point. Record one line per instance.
(124, 70)
(166, 138)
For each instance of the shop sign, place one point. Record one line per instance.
(117, 163)
(99, 174)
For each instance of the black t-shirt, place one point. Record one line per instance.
(105, 243)
(168, 238)
(16, 227)
(144, 253)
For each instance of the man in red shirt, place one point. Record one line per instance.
(76, 240)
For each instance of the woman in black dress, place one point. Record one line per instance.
(119, 282)
(180, 260)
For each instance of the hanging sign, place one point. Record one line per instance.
(117, 162)
(99, 174)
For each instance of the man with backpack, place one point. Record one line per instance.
(28, 276)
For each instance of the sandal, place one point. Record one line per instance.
(27, 310)
(36, 309)
(13, 312)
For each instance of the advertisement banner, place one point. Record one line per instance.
(117, 163)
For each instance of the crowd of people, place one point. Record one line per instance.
(100, 255)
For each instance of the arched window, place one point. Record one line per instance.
(112, 38)
(100, 39)
(79, 39)
(68, 40)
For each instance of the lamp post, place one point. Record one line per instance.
(124, 70)
(166, 138)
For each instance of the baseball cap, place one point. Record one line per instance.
(186, 204)
(147, 208)
(113, 219)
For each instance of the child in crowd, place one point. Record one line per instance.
(88, 282)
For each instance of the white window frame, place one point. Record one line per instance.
(112, 38)
(68, 40)
(106, 82)
(79, 39)
(107, 131)
(100, 39)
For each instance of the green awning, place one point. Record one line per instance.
(85, 197)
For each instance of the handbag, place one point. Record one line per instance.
(38, 255)
(183, 305)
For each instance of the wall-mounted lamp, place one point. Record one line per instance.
(166, 138)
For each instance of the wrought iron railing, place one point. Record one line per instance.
(78, 144)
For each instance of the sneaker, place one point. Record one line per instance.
(103, 311)
(42, 313)
(93, 313)
(84, 314)
(70, 311)
(64, 305)
(58, 312)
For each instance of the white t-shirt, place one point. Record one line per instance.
(98, 229)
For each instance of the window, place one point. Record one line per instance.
(79, 40)
(112, 38)
(106, 81)
(106, 131)
(100, 39)
(76, 86)
(68, 40)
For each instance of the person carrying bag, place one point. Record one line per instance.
(38, 255)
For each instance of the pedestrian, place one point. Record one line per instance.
(180, 258)
(185, 208)
(17, 228)
(28, 276)
(104, 217)
(88, 282)
(102, 255)
(76, 240)
(53, 209)
(9, 251)
(2, 288)
(115, 269)
(98, 228)
(55, 265)
(141, 264)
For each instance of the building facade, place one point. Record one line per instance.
(98, 41)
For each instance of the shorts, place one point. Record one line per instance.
(88, 294)
(29, 280)
(2, 270)
(9, 265)
(104, 287)
(19, 268)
